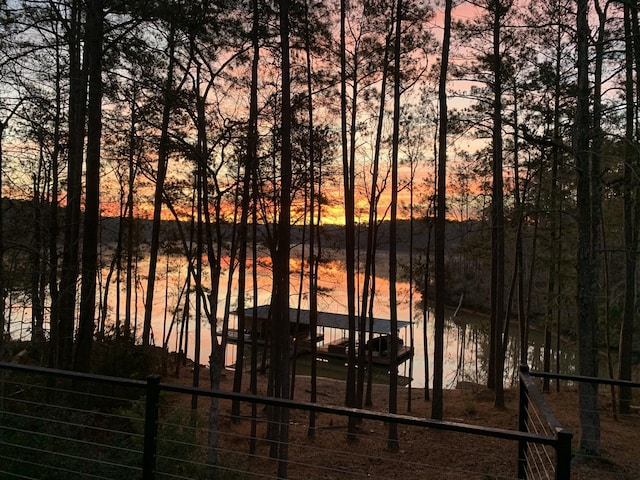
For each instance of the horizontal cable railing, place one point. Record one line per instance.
(56, 424)
(619, 431)
(62, 426)
(581, 378)
(539, 460)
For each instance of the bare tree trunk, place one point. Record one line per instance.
(94, 33)
(253, 382)
(296, 333)
(163, 159)
(553, 285)
(411, 275)
(249, 174)
(125, 330)
(200, 206)
(630, 211)
(54, 229)
(36, 257)
(374, 198)
(313, 231)
(425, 296)
(519, 260)
(392, 443)
(438, 352)
(348, 171)
(3, 125)
(497, 216)
(253, 386)
(588, 275)
(77, 114)
(371, 316)
(280, 350)
(131, 251)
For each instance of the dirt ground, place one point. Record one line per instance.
(428, 453)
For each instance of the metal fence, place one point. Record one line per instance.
(619, 431)
(550, 458)
(57, 424)
(65, 425)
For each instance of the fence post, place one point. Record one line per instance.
(523, 421)
(563, 454)
(151, 428)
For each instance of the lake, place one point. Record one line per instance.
(465, 341)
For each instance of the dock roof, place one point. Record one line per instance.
(327, 319)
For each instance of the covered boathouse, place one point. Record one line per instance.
(300, 327)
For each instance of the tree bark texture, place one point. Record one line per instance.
(587, 267)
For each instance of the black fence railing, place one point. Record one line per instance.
(581, 378)
(58, 424)
(541, 460)
(616, 405)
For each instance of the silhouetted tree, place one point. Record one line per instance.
(438, 352)
(587, 264)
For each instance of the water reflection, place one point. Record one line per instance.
(466, 335)
(466, 355)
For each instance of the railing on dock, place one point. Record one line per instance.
(59, 424)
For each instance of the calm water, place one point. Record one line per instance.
(466, 334)
(465, 342)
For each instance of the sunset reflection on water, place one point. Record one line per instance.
(468, 331)
(465, 342)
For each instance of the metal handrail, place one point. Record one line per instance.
(562, 437)
(581, 378)
(153, 387)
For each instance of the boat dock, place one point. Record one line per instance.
(300, 326)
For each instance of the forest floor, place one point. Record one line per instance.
(445, 454)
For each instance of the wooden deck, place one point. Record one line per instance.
(338, 349)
